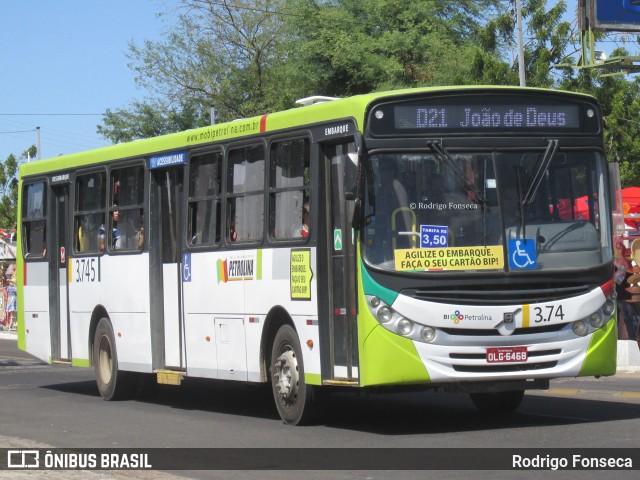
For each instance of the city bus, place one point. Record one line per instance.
(439, 238)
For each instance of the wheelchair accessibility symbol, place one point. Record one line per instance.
(522, 253)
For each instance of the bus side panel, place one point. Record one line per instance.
(213, 310)
(125, 296)
(120, 284)
(227, 296)
(297, 296)
(37, 326)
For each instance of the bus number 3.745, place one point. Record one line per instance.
(86, 270)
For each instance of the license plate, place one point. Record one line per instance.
(507, 355)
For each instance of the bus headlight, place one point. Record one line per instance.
(609, 307)
(385, 315)
(580, 328)
(404, 327)
(596, 319)
(427, 334)
(374, 302)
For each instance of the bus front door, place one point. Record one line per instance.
(58, 279)
(341, 172)
(165, 244)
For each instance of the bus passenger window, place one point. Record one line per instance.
(205, 207)
(89, 213)
(289, 207)
(34, 224)
(126, 210)
(245, 202)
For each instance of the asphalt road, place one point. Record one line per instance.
(46, 406)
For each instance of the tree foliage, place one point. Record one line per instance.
(247, 58)
(9, 187)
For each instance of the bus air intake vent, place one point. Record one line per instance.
(494, 294)
(522, 367)
(486, 332)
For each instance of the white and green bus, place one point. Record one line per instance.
(454, 238)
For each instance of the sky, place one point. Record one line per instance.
(62, 57)
(63, 63)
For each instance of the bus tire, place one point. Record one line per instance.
(113, 383)
(293, 397)
(498, 402)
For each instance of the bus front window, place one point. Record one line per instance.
(427, 202)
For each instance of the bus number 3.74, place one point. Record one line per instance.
(548, 313)
(86, 270)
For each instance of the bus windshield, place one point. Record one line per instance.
(486, 210)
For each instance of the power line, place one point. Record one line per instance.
(52, 114)
(20, 131)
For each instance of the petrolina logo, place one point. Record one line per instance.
(246, 267)
(457, 317)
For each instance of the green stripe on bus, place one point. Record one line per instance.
(80, 362)
(312, 379)
(259, 265)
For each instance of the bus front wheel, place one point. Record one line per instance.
(498, 402)
(294, 398)
(113, 383)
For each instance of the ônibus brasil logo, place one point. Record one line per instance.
(457, 317)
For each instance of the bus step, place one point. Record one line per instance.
(170, 377)
(341, 383)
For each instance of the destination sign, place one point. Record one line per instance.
(487, 117)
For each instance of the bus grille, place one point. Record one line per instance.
(492, 294)
(521, 367)
(482, 367)
(495, 333)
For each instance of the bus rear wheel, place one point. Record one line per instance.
(293, 397)
(113, 383)
(498, 402)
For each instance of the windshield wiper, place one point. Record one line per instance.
(540, 171)
(441, 154)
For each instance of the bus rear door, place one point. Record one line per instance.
(58, 284)
(165, 247)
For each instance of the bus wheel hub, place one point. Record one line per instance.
(286, 375)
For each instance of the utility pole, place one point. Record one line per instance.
(523, 82)
(38, 142)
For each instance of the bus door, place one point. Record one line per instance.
(165, 245)
(58, 279)
(341, 170)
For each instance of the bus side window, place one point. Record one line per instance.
(246, 194)
(34, 224)
(289, 208)
(126, 209)
(89, 213)
(205, 206)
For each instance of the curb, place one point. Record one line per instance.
(9, 335)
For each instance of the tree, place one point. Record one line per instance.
(346, 47)
(221, 53)
(150, 119)
(9, 187)
(248, 58)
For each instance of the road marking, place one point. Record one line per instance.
(565, 392)
(630, 394)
